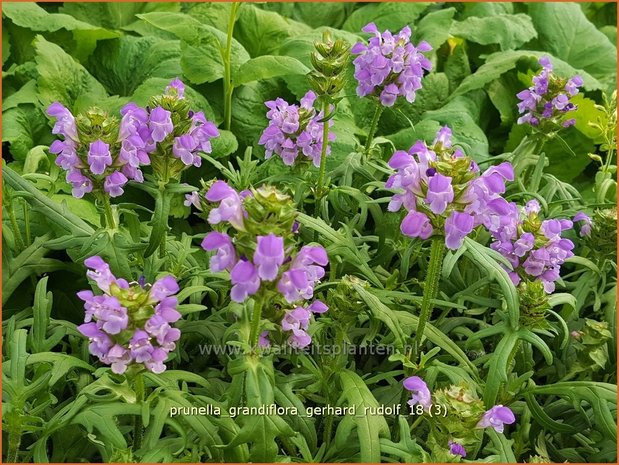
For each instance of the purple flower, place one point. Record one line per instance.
(100, 342)
(80, 183)
(113, 184)
(99, 156)
(225, 258)
(163, 287)
(160, 123)
(176, 87)
(390, 66)
(306, 269)
(318, 307)
(285, 137)
(416, 224)
(110, 315)
(269, 256)
(65, 121)
(263, 340)
(100, 272)
(456, 449)
(457, 227)
(193, 199)
(299, 339)
(585, 227)
(118, 357)
(245, 280)
(67, 157)
(202, 131)
(298, 318)
(496, 417)
(543, 102)
(420, 392)
(166, 309)
(230, 208)
(440, 193)
(183, 148)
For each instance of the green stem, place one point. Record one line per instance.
(26, 211)
(323, 154)
(16, 231)
(256, 318)
(430, 290)
(137, 424)
(14, 443)
(107, 210)
(373, 126)
(228, 87)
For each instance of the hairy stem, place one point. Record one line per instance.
(138, 430)
(256, 317)
(227, 59)
(430, 291)
(323, 153)
(373, 126)
(107, 210)
(14, 443)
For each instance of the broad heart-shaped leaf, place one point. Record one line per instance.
(266, 67)
(434, 27)
(509, 31)
(392, 16)
(502, 62)
(202, 47)
(21, 127)
(115, 15)
(261, 32)
(565, 32)
(61, 78)
(369, 428)
(122, 64)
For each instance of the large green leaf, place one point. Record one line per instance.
(122, 64)
(266, 67)
(61, 78)
(565, 32)
(115, 15)
(509, 31)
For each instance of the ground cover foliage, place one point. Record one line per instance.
(224, 205)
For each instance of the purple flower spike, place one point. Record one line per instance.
(496, 417)
(113, 184)
(176, 86)
(269, 256)
(457, 449)
(160, 123)
(245, 280)
(420, 392)
(457, 227)
(99, 156)
(225, 258)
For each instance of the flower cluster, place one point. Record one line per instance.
(533, 246)
(465, 414)
(260, 259)
(390, 66)
(95, 156)
(548, 99)
(294, 130)
(129, 323)
(444, 190)
(100, 154)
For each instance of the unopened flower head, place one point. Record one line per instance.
(534, 247)
(390, 66)
(130, 323)
(295, 131)
(547, 103)
(443, 191)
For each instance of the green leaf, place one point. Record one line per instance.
(224, 145)
(370, 428)
(61, 78)
(114, 15)
(509, 31)
(565, 32)
(266, 67)
(80, 207)
(123, 64)
(26, 94)
(434, 27)
(20, 128)
(261, 32)
(392, 16)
